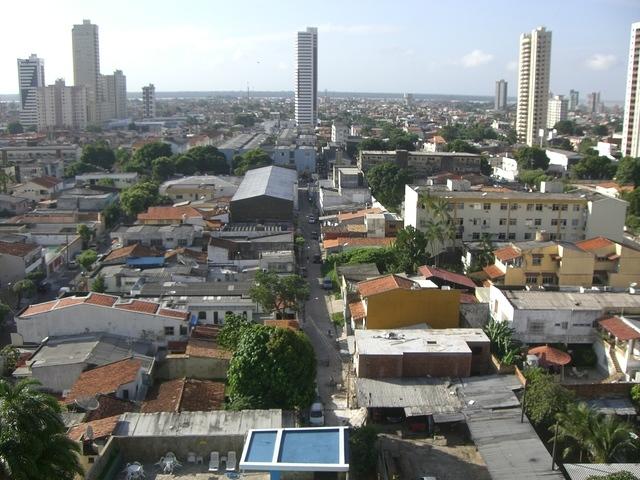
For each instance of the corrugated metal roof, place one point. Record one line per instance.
(272, 181)
(582, 471)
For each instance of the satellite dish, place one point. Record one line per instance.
(88, 433)
(87, 403)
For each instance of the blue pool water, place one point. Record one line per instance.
(310, 446)
(261, 446)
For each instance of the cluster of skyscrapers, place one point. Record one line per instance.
(92, 99)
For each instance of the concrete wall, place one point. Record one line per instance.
(57, 378)
(150, 449)
(261, 209)
(11, 269)
(410, 207)
(414, 365)
(606, 218)
(185, 366)
(475, 315)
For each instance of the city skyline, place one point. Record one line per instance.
(463, 56)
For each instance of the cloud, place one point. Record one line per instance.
(601, 61)
(475, 59)
(356, 29)
(512, 66)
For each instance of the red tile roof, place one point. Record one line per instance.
(105, 379)
(180, 314)
(594, 244)
(357, 214)
(197, 347)
(447, 276)
(507, 253)
(18, 249)
(619, 328)
(169, 213)
(384, 284)
(38, 308)
(358, 242)
(493, 271)
(550, 356)
(357, 310)
(184, 395)
(46, 182)
(135, 250)
(101, 299)
(108, 406)
(138, 306)
(102, 428)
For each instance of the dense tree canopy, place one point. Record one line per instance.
(628, 171)
(162, 168)
(209, 159)
(363, 452)
(272, 368)
(245, 119)
(411, 249)
(562, 143)
(87, 258)
(232, 330)
(139, 197)
(460, 146)
(594, 167)
(387, 182)
(532, 178)
(531, 158)
(141, 160)
(544, 398)
(275, 293)
(255, 158)
(78, 168)
(98, 153)
(14, 128)
(372, 144)
(568, 127)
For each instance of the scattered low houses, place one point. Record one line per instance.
(14, 205)
(118, 180)
(172, 215)
(40, 188)
(159, 236)
(94, 199)
(243, 244)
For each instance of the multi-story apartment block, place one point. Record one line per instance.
(306, 79)
(17, 155)
(339, 133)
(631, 123)
(114, 90)
(558, 108)
(615, 264)
(86, 65)
(59, 106)
(574, 100)
(30, 78)
(149, 101)
(533, 84)
(501, 95)
(593, 103)
(517, 216)
(422, 164)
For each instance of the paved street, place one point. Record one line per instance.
(317, 323)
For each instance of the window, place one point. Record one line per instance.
(574, 222)
(537, 222)
(529, 207)
(535, 326)
(553, 236)
(215, 318)
(459, 234)
(527, 236)
(155, 242)
(512, 236)
(513, 221)
(576, 208)
(179, 197)
(564, 207)
(501, 236)
(503, 221)
(202, 315)
(475, 236)
(461, 221)
(503, 206)
(563, 222)
(538, 207)
(487, 206)
(514, 206)
(536, 259)
(548, 279)
(554, 221)
(125, 394)
(565, 325)
(182, 242)
(531, 279)
(169, 331)
(183, 330)
(555, 207)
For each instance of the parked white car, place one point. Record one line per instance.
(316, 414)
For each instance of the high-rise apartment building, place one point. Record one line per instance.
(557, 110)
(574, 100)
(149, 101)
(631, 123)
(533, 84)
(86, 66)
(501, 95)
(30, 78)
(306, 78)
(593, 102)
(59, 106)
(114, 90)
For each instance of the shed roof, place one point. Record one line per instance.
(447, 276)
(619, 328)
(385, 284)
(271, 181)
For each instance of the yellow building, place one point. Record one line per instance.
(393, 301)
(616, 265)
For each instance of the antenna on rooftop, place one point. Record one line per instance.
(87, 403)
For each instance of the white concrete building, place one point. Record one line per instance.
(59, 106)
(506, 168)
(557, 109)
(98, 312)
(30, 78)
(149, 101)
(86, 65)
(534, 67)
(631, 123)
(120, 180)
(561, 160)
(514, 215)
(501, 95)
(306, 77)
(211, 309)
(339, 133)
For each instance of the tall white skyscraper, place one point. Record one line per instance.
(30, 78)
(306, 87)
(557, 110)
(149, 101)
(533, 84)
(86, 66)
(501, 95)
(631, 123)
(60, 106)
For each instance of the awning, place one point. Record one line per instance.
(619, 328)
(448, 417)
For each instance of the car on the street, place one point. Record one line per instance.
(314, 235)
(72, 265)
(303, 271)
(312, 219)
(316, 414)
(327, 283)
(317, 258)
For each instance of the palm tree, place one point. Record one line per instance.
(574, 427)
(432, 234)
(33, 442)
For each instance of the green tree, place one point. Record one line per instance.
(87, 258)
(622, 475)
(255, 158)
(6, 178)
(272, 368)
(461, 146)
(98, 153)
(85, 233)
(586, 146)
(449, 132)
(4, 311)
(531, 158)
(185, 164)
(533, 177)
(245, 119)
(106, 182)
(99, 285)
(545, 398)
(112, 214)
(138, 198)
(593, 167)
(568, 127)
(34, 444)
(141, 160)
(232, 330)
(561, 143)
(411, 249)
(485, 257)
(162, 168)
(485, 166)
(628, 171)
(78, 168)
(375, 144)
(24, 288)
(363, 452)
(387, 182)
(10, 356)
(209, 159)
(600, 130)
(275, 293)
(14, 128)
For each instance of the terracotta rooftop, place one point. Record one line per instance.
(104, 379)
(447, 276)
(468, 298)
(184, 395)
(358, 242)
(493, 272)
(384, 284)
(108, 406)
(46, 182)
(507, 253)
(109, 301)
(102, 428)
(357, 310)
(342, 217)
(18, 249)
(169, 213)
(594, 244)
(135, 250)
(290, 324)
(197, 347)
(619, 328)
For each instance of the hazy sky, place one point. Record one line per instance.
(421, 46)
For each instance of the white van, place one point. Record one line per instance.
(316, 414)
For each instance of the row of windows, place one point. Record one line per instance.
(515, 206)
(511, 236)
(170, 331)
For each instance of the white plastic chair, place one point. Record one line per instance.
(214, 462)
(231, 461)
